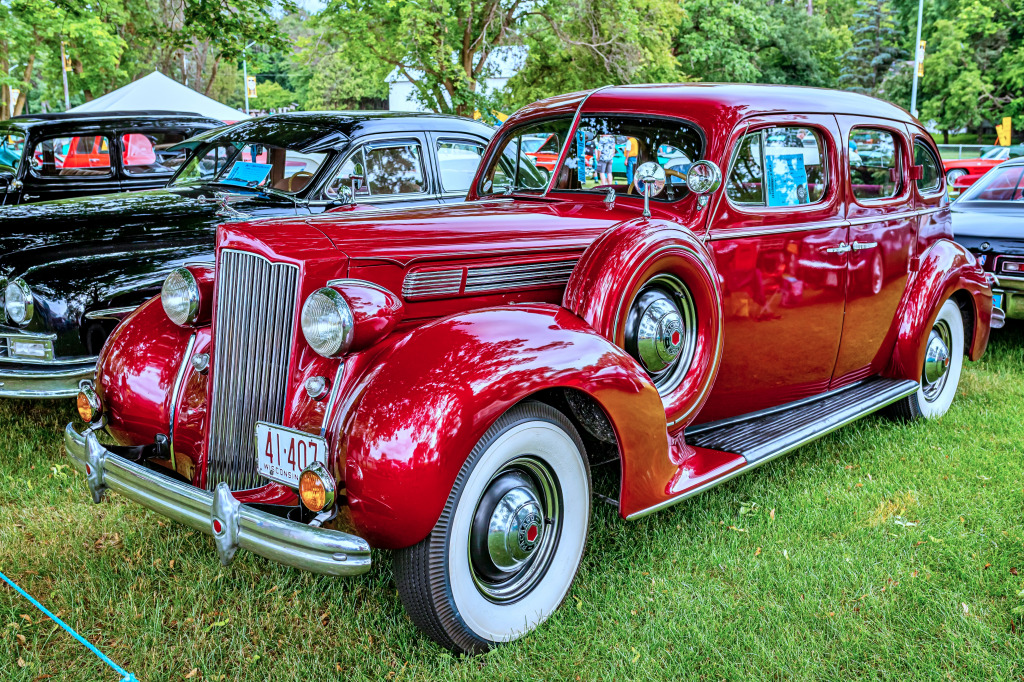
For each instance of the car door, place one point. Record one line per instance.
(456, 158)
(70, 165)
(777, 236)
(383, 171)
(880, 211)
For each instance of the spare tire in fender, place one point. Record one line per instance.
(651, 288)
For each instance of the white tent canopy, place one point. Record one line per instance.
(157, 92)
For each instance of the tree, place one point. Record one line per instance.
(875, 48)
(441, 46)
(592, 43)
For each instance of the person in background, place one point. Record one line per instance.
(632, 152)
(605, 155)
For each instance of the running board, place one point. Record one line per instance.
(761, 437)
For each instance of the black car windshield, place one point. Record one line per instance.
(252, 165)
(1002, 183)
(603, 153)
(12, 145)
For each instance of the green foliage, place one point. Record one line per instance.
(270, 95)
(875, 48)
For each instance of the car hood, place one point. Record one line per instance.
(997, 220)
(113, 225)
(470, 229)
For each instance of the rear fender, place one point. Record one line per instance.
(429, 398)
(945, 269)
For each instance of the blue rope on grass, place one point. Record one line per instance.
(125, 675)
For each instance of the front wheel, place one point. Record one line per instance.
(510, 540)
(940, 376)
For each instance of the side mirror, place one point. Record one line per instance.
(703, 178)
(344, 197)
(649, 180)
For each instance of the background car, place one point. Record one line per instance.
(71, 270)
(988, 219)
(962, 173)
(55, 156)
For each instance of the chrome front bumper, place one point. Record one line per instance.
(44, 380)
(232, 525)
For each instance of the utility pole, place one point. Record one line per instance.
(245, 76)
(918, 58)
(64, 73)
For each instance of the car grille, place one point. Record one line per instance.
(256, 309)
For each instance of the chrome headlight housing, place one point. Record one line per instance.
(180, 297)
(18, 305)
(327, 322)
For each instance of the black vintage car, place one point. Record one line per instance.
(71, 270)
(988, 219)
(55, 156)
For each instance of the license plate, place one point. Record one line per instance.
(282, 454)
(997, 299)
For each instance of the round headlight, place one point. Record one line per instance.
(18, 302)
(180, 296)
(327, 322)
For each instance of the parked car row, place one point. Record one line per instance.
(439, 339)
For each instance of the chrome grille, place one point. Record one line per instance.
(518, 276)
(256, 309)
(423, 283)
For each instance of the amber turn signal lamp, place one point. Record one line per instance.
(316, 488)
(89, 406)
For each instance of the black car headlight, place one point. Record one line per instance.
(18, 304)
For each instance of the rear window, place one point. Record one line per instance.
(76, 156)
(145, 152)
(931, 170)
(874, 164)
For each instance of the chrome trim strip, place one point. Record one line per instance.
(34, 336)
(308, 548)
(111, 313)
(517, 276)
(807, 227)
(424, 283)
(176, 393)
(333, 399)
(842, 420)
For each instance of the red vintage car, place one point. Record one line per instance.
(962, 173)
(443, 381)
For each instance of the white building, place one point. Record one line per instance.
(502, 64)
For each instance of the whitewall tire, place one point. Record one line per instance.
(510, 540)
(940, 376)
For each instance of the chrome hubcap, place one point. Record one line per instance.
(661, 331)
(515, 530)
(936, 360)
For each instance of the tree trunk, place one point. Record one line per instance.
(5, 90)
(945, 137)
(19, 106)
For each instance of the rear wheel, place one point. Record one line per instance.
(510, 540)
(943, 362)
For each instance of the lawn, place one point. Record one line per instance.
(884, 551)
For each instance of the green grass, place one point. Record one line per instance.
(801, 569)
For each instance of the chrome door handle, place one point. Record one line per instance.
(842, 248)
(860, 246)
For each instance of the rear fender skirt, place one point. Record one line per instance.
(428, 399)
(945, 268)
(612, 271)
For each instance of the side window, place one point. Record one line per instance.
(931, 171)
(352, 174)
(782, 166)
(874, 164)
(394, 169)
(458, 162)
(85, 155)
(145, 152)
(12, 145)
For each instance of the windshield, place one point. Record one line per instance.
(997, 153)
(1003, 183)
(252, 165)
(12, 144)
(603, 153)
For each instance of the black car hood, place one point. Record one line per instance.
(112, 225)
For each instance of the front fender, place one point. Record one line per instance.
(431, 396)
(945, 269)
